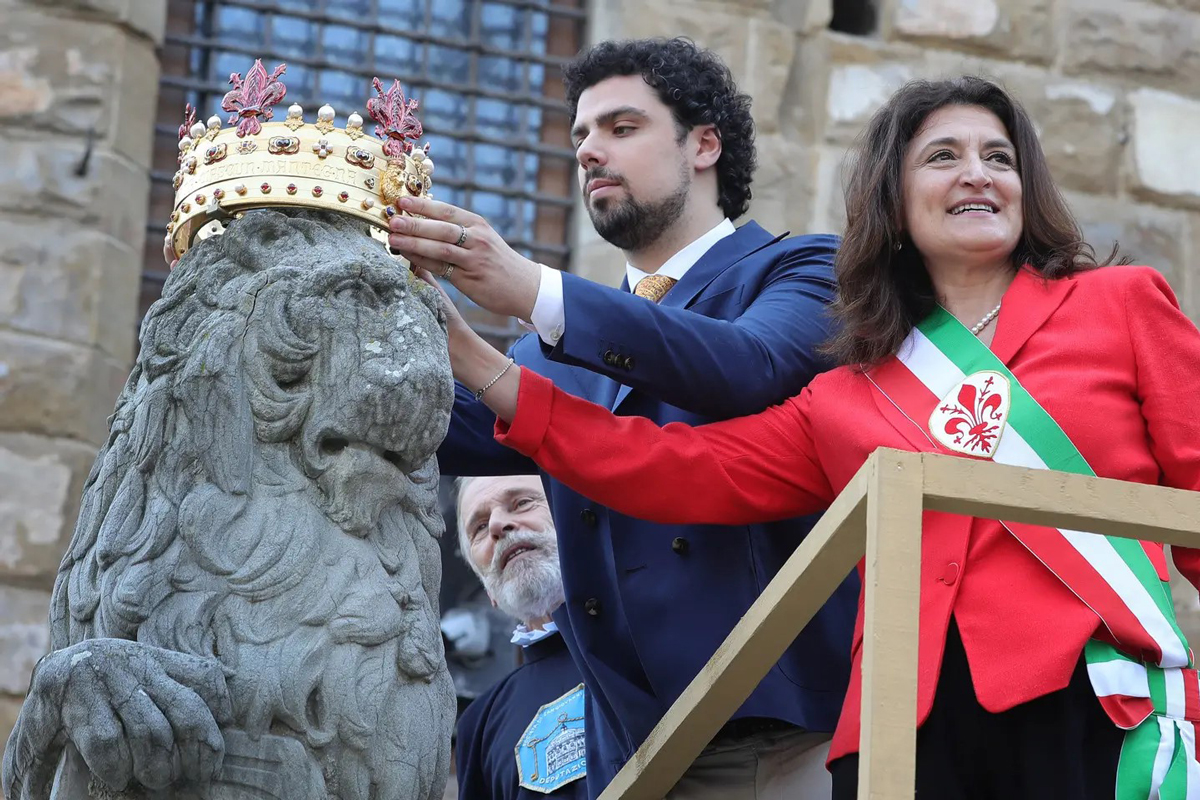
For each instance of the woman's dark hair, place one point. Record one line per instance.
(883, 292)
(698, 88)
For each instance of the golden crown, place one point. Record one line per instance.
(224, 172)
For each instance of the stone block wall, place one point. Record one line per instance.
(78, 86)
(1113, 85)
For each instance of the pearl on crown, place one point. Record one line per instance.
(295, 117)
(325, 118)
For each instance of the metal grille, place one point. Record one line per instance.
(486, 74)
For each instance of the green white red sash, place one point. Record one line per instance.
(965, 400)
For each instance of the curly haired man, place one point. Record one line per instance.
(713, 321)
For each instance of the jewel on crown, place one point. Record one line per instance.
(226, 171)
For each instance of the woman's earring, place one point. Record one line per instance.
(899, 246)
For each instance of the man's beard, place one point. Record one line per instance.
(531, 586)
(631, 224)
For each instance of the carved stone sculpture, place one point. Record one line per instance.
(248, 608)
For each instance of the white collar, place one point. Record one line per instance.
(677, 265)
(525, 637)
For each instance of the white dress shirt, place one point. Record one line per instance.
(549, 313)
(525, 637)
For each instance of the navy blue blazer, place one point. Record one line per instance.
(646, 604)
(492, 725)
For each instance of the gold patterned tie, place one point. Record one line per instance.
(654, 287)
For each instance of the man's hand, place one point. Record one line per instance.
(134, 712)
(462, 248)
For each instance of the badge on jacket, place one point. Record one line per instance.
(970, 419)
(551, 753)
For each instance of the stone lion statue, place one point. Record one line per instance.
(248, 608)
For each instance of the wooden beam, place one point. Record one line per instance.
(1061, 499)
(887, 744)
(803, 584)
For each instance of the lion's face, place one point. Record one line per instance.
(380, 386)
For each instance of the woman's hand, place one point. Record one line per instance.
(169, 252)
(457, 328)
(474, 362)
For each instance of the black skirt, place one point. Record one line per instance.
(1061, 746)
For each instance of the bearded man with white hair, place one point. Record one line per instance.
(524, 737)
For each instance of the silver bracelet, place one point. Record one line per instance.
(492, 382)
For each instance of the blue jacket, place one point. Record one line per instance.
(492, 726)
(646, 604)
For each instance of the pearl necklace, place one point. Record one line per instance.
(983, 323)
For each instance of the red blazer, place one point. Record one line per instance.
(1107, 353)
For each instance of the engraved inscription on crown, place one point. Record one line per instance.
(254, 162)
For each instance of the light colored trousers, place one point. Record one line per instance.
(779, 765)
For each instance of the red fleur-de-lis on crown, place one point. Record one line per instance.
(189, 119)
(397, 122)
(253, 97)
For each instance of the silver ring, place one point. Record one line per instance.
(449, 271)
(462, 236)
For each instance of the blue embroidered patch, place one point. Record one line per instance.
(551, 754)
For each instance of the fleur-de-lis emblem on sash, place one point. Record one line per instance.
(970, 419)
(253, 97)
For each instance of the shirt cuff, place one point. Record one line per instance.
(549, 313)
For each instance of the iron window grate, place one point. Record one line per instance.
(486, 73)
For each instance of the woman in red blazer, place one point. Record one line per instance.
(971, 310)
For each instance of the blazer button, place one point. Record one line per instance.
(592, 606)
(950, 574)
(680, 545)
(609, 358)
(628, 363)
(588, 517)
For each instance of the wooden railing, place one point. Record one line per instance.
(879, 514)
